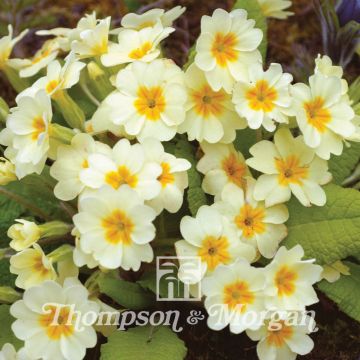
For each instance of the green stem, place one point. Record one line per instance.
(259, 134)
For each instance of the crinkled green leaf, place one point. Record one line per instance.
(328, 233)
(6, 333)
(144, 343)
(148, 281)
(244, 140)
(6, 278)
(345, 291)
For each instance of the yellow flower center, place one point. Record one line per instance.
(120, 177)
(51, 86)
(45, 53)
(317, 115)
(262, 96)
(150, 102)
(39, 127)
(234, 169)
(57, 322)
(208, 102)
(290, 170)
(140, 52)
(166, 177)
(250, 220)
(100, 48)
(277, 337)
(223, 48)
(214, 251)
(238, 294)
(118, 228)
(285, 281)
(38, 266)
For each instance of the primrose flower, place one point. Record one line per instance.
(32, 267)
(126, 165)
(211, 237)
(151, 97)
(289, 280)
(323, 116)
(7, 171)
(116, 227)
(27, 134)
(264, 98)
(284, 339)
(46, 323)
(136, 45)
(226, 47)
(221, 165)
(256, 225)
(289, 166)
(233, 291)
(23, 234)
(275, 8)
(173, 178)
(8, 352)
(79, 257)
(210, 115)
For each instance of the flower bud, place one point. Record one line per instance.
(23, 234)
(7, 171)
(99, 82)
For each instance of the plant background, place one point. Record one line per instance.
(294, 43)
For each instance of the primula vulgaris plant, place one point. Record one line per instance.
(114, 155)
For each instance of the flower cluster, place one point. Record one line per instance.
(112, 159)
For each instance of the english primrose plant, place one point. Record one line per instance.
(116, 161)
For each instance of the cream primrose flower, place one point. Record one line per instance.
(173, 177)
(126, 164)
(8, 352)
(46, 322)
(93, 40)
(79, 257)
(152, 98)
(27, 134)
(332, 272)
(7, 171)
(289, 280)
(41, 59)
(211, 237)
(233, 291)
(256, 225)
(23, 234)
(116, 227)
(71, 161)
(323, 116)
(136, 45)
(289, 166)
(151, 18)
(226, 47)
(7, 44)
(275, 8)
(264, 97)
(32, 267)
(284, 339)
(210, 115)
(221, 165)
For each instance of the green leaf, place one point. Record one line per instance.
(345, 291)
(254, 12)
(328, 233)
(6, 278)
(8, 295)
(128, 294)
(144, 343)
(6, 333)
(354, 90)
(148, 281)
(244, 140)
(342, 166)
(195, 195)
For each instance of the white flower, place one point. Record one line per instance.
(323, 115)
(221, 165)
(8, 352)
(257, 225)
(210, 115)
(27, 134)
(289, 166)
(125, 165)
(71, 161)
(275, 8)
(233, 291)
(210, 237)
(48, 330)
(32, 267)
(136, 45)
(92, 40)
(332, 272)
(7, 171)
(23, 234)
(173, 177)
(264, 97)
(116, 228)
(79, 257)
(151, 97)
(151, 18)
(226, 47)
(289, 280)
(284, 339)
